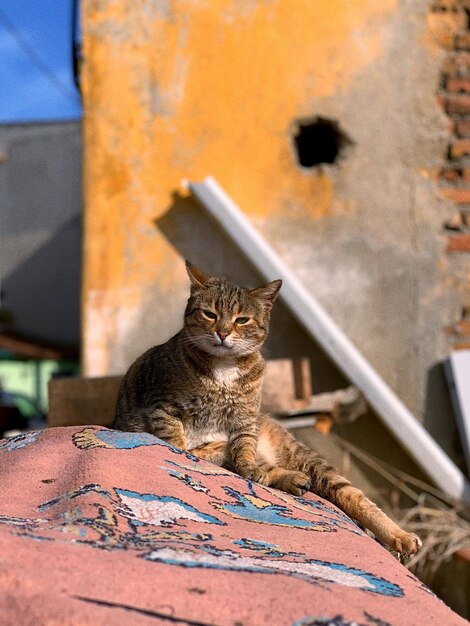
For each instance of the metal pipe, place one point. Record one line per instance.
(291, 423)
(322, 328)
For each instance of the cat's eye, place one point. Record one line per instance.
(242, 320)
(209, 314)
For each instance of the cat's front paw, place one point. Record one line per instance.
(296, 483)
(255, 473)
(406, 543)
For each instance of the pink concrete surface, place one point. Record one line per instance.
(103, 527)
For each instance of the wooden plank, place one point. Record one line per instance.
(302, 380)
(287, 385)
(76, 401)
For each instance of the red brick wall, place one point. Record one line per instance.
(451, 22)
(454, 97)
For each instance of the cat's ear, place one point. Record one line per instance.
(197, 277)
(268, 293)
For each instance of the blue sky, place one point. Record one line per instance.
(36, 75)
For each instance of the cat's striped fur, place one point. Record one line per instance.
(201, 391)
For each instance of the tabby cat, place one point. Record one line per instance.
(201, 391)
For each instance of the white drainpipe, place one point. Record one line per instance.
(321, 327)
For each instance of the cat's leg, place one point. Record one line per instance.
(289, 480)
(249, 462)
(168, 428)
(328, 484)
(156, 422)
(242, 446)
(215, 452)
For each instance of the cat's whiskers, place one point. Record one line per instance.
(205, 342)
(243, 346)
(188, 341)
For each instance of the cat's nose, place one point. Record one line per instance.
(222, 335)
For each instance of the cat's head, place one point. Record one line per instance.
(224, 320)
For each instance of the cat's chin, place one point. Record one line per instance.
(220, 349)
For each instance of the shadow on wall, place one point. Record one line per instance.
(439, 416)
(43, 292)
(198, 238)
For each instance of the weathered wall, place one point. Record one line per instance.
(40, 229)
(182, 89)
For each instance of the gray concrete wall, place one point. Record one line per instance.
(377, 262)
(40, 229)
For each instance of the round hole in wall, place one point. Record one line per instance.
(319, 140)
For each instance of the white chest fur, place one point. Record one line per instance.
(225, 374)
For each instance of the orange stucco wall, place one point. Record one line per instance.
(183, 89)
